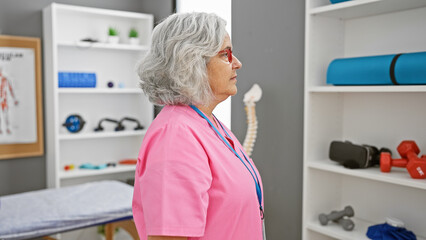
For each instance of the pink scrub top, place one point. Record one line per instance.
(189, 184)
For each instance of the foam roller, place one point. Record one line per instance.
(394, 69)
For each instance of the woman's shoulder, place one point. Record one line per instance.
(176, 116)
(175, 123)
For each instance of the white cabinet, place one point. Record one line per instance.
(382, 116)
(64, 27)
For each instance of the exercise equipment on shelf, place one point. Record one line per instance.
(355, 156)
(69, 167)
(338, 1)
(387, 162)
(339, 217)
(393, 69)
(409, 151)
(119, 124)
(100, 128)
(128, 161)
(404, 148)
(74, 123)
(392, 229)
(138, 125)
(76, 80)
(92, 166)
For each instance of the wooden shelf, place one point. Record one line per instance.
(99, 90)
(365, 8)
(397, 176)
(76, 173)
(82, 136)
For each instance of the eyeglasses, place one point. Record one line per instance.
(228, 52)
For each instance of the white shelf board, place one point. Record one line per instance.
(98, 45)
(336, 231)
(82, 136)
(76, 173)
(106, 12)
(387, 88)
(397, 176)
(365, 8)
(100, 90)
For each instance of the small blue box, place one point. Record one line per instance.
(76, 80)
(338, 1)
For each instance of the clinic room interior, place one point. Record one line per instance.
(212, 119)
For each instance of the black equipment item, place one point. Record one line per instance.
(355, 156)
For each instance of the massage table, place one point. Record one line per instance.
(46, 212)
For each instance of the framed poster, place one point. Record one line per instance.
(21, 115)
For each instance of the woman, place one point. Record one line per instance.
(193, 179)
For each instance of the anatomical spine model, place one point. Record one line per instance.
(250, 99)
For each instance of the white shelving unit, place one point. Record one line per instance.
(382, 116)
(64, 28)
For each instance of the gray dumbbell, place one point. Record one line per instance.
(346, 223)
(336, 216)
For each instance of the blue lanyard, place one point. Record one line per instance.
(256, 180)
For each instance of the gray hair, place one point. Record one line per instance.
(174, 71)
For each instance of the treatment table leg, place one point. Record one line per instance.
(128, 225)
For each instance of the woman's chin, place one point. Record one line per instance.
(234, 92)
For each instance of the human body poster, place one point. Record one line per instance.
(18, 122)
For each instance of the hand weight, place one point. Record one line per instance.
(336, 215)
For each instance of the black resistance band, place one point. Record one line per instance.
(392, 69)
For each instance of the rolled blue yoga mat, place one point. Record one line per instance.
(407, 69)
(410, 68)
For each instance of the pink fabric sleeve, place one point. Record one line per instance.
(174, 180)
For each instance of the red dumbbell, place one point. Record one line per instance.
(416, 166)
(405, 149)
(386, 162)
(408, 150)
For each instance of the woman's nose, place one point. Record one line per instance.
(236, 64)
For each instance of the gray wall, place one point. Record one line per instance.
(268, 37)
(24, 18)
